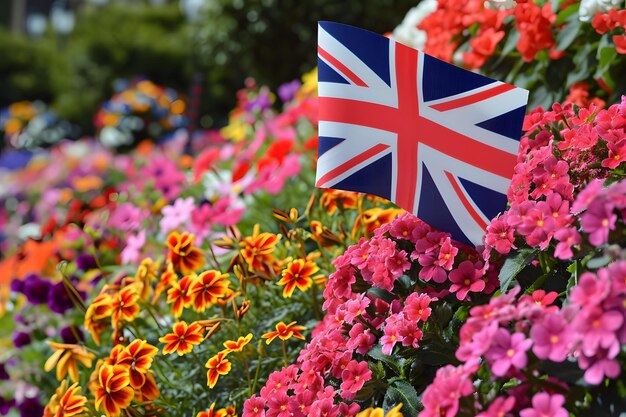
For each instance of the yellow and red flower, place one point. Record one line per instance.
(284, 332)
(297, 274)
(137, 357)
(183, 255)
(167, 279)
(258, 250)
(65, 358)
(183, 338)
(149, 391)
(113, 392)
(97, 314)
(333, 199)
(239, 344)
(66, 402)
(180, 294)
(124, 305)
(210, 286)
(217, 365)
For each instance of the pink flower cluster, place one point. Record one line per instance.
(590, 144)
(511, 337)
(358, 321)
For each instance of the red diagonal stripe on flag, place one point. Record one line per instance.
(474, 98)
(468, 206)
(341, 67)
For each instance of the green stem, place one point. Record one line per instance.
(316, 307)
(284, 353)
(245, 364)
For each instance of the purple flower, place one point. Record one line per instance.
(59, 300)
(126, 217)
(546, 405)
(6, 405)
(85, 262)
(602, 364)
(508, 351)
(30, 407)
(4, 375)
(288, 91)
(72, 334)
(261, 102)
(552, 337)
(17, 285)
(21, 339)
(36, 289)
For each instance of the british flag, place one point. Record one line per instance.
(437, 140)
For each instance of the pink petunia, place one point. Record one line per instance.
(466, 279)
(278, 405)
(567, 238)
(597, 328)
(131, 254)
(587, 195)
(591, 290)
(177, 214)
(546, 405)
(617, 154)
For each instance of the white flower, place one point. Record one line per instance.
(407, 32)
(500, 4)
(589, 8)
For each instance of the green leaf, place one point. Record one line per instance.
(596, 263)
(568, 34)
(402, 392)
(513, 266)
(395, 363)
(563, 15)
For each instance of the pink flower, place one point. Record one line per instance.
(546, 405)
(617, 154)
(598, 220)
(587, 195)
(416, 307)
(254, 407)
(500, 235)
(500, 407)
(431, 268)
(617, 273)
(508, 351)
(126, 217)
(480, 343)
(356, 307)
(324, 408)
(552, 337)
(602, 364)
(176, 215)
(278, 405)
(361, 340)
(131, 254)
(567, 237)
(353, 377)
(465, 279)
(538, 227)
(447, 252)
(591, 290)
(597, 328)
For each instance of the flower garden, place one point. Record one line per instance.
(153, 270)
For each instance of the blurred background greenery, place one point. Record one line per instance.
(69, 53)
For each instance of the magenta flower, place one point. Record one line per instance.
(617, 272)
(500, 407)
(567, 237)
(552, 337)
(126, 217)
(598, 220)
(465, 279)
(254, 407)
(508, 351)
(431, 268)
(356, 307)
(591, 290)
(278, 405)
(546, 405)
(597, 328)
(353, 377)
(416, 307)
(447, 252)
(617, 154)
(602, 364)
(587, 195)
(500, 235)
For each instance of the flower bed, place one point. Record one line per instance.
(155, 283)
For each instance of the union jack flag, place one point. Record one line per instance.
(437, 140)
